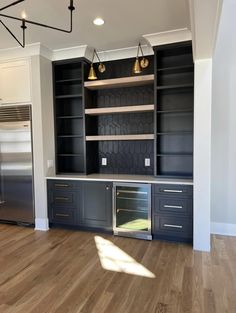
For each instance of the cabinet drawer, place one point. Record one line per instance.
(63, 198)
(174, 205)
(63, 216)
(174, 190)
(62, 184)
(174, 227)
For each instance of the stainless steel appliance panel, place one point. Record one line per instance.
(16, 186)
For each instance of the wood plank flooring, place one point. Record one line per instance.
(60, 271)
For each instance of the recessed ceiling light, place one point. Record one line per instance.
(98, 21)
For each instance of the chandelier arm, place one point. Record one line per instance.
(71, 8)
(11, 33)
(10, 5)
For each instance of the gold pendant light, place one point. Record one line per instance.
(140, 65)
(137, 68)
(101, 67)
(92, 74)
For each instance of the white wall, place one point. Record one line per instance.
(202, 154)
(223, 187)
(43, 133)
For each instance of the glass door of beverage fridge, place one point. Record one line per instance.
(132, 210)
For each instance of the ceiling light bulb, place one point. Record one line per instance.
(98, 21)
(23, 15)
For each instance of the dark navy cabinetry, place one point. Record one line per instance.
(84, 204)
(172, 212)
(97, 205)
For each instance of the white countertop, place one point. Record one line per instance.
(123, 178)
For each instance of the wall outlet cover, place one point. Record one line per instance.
(50, 163)
(147, 162)
(104, 161)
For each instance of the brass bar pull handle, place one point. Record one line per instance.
(173, 206)
(62, 215)
(62, 198)
(172, 190)
(62, 185)
(173, 226)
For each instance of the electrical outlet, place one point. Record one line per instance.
(104, 161)
(50, 163)
(147, 162)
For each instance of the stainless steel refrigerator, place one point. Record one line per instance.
(16, 183)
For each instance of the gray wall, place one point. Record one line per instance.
(223, 187)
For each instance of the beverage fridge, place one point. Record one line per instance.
(132, 210)
(16, 184)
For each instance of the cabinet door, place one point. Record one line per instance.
(97, 205)
(15, 82)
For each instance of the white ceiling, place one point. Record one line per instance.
(125, 21)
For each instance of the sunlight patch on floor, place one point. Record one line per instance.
(114, 259)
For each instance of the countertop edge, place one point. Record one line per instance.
(119, 178)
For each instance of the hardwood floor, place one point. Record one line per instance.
(60, 271)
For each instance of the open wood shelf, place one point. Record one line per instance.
(120, 137)
(122, 109)
(120, 82)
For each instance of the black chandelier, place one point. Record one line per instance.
(25, 21)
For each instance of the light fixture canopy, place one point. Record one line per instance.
(101, 67)
(25, 21)
(98, 21)
(140, 65)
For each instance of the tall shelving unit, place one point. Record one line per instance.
(69, 117)
(119, 119)
(174, 87)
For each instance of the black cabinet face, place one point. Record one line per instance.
(97, 205)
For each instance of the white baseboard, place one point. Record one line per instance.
(223, 229)
(41, 224)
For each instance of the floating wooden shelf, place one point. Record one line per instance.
(123, 109)
(120, 82)
(120, 137)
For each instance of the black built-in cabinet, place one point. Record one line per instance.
(125, 118)
(120, 91)
(69, 116)
(172, 212)
(174, 87)
(80, 203)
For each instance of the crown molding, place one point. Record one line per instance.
(171, 36)
(19, 52)
(123, 53)
(69, 53)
